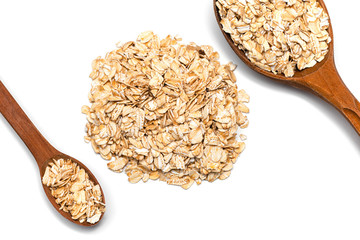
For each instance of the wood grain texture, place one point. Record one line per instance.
(40, 148)
(322, 80)
(34, 140)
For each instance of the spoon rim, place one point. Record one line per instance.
(299, 74)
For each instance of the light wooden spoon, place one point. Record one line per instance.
(40, 148)
(322, 80)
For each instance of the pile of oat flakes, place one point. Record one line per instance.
(165, 110)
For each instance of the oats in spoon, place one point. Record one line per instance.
(74, 191)
(279, 36)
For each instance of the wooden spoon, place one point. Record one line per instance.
(322, 80)
(40, 148)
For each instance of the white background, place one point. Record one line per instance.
(298, 178)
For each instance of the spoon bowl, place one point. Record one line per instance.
(40, 148)
(322, 79)
(47, 191)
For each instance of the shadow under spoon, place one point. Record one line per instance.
(40, 148)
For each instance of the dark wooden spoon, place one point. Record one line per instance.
(40, 148)
(322, 80)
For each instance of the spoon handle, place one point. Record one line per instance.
(327, 84)
(34, 140)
